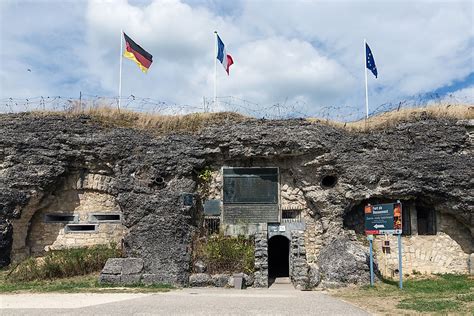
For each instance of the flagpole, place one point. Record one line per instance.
(366, 88)
(120, 71)
(215, 71)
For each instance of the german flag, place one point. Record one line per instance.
(135, 52)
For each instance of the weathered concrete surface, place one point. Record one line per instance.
(431, 159)
(196, 301)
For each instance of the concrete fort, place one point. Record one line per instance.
(297, 188)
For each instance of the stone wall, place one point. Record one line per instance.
(44, 236)
(261, 260)
(440, 253)
(147, 176)
(80, 195)
(299, 268)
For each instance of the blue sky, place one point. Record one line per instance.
(305, 53)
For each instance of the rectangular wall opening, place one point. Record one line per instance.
(80, 228)
(426, 220)
(103, 217)
(60, 218)
(211, 225)
(288, 216)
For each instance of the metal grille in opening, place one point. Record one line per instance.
(211, 225)
(288, 216)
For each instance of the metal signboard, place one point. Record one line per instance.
(383, 219)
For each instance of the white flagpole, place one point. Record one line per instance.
(366, 89)
(215, 71)
(120, 71)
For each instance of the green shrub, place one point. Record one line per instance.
(64, 263)
(224, 254)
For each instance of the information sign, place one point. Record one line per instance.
(383, 219)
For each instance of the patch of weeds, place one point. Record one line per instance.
(63, 263)
(468, 297)
(60, 285)
(205, 175)
(224, 254)
(428, 305)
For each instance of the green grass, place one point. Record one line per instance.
(428, 305)
(443, 293)
(84, 283)
(445, 283)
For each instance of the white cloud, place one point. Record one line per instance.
(310, 52)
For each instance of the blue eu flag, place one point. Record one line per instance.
(370, 62)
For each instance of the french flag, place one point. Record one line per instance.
(225, 59)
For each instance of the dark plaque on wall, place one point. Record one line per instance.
(250, 195)
(212, 207)
(250, 186)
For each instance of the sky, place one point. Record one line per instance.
(305, 54)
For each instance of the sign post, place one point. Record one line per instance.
(383, 219)
(371, 257)
(400, 270)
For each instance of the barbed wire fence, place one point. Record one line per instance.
(278, 110)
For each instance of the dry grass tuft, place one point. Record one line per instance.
(165, 124)
(389, 119)
(159, 124)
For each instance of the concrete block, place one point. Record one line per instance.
(132, 265)
(130, 278)
(113, 266)
(150, 278)
(109, 279)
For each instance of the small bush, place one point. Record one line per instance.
(64, 263)
(224, 254)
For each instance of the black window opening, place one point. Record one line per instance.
(60, 218)
(406, 220)
(426, 220)
(80, 228)
(105, 217)
(250, 186)
(291, 215)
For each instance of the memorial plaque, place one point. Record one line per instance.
(250, 195)
(251, 185)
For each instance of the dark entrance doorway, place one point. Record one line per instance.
(278, 257)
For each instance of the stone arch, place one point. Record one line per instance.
(78, 195)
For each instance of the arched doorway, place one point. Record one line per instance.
(278, 257)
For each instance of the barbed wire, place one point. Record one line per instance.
(279, 110)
